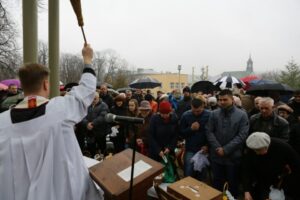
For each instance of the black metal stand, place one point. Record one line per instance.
(126, 125)
(132, 166)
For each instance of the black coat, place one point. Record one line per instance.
(296, 107)
(265, 169)
(108, 100)
(119, 141)
(162, 135)
(183, 105)
(294, 140)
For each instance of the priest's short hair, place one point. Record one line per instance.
(32, 76)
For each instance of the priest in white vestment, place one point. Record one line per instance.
(40, 158)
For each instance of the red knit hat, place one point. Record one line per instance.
(165, 107)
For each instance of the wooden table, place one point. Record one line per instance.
(105, 174)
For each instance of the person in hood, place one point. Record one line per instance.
(185, 103)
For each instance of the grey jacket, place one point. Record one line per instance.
(227, 129)
(277, 126)
(96, 115)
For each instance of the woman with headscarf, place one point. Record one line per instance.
(163, 132)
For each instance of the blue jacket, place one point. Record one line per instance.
(227, 129)
(194, 140)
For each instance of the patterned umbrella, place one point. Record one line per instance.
(11, 81)
(144, 83)
(248, 79)
(228, 82)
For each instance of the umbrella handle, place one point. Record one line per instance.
(83, 34)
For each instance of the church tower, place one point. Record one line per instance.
(249, 65)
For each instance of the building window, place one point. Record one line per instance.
(177, 85)
(182, 85)
(172, 85)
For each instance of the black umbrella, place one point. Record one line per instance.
(264, 89)
(145, 82)
(123, 90)
(69, 86)
(206, 87)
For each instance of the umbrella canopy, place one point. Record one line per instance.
(261, 82)
(264, 89)
(228, 82)
(112, 92)
(206, 87)
(123, 90)
(8, 82)
(247, 80)
(3, 87)
(69, 86)
(145, 82)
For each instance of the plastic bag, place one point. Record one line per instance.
(276, 194)
(226, 193)
(114, 131)
(199, 161)
(169, 170)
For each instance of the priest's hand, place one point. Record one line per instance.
(87, 53)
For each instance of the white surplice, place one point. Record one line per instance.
(40, 159)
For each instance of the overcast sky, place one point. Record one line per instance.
(161, 34)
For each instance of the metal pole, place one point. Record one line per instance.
(30, 31)
(179, 81)
(193, 75)
(54, 47)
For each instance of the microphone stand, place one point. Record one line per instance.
(132, 165)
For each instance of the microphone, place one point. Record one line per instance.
(109, 118)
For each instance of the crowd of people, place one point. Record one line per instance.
(252, 149)
(218, 126)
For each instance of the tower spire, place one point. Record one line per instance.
(249, 64)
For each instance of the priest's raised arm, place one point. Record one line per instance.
(39, 155)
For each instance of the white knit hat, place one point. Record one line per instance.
(212, 100)
(258, 140)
